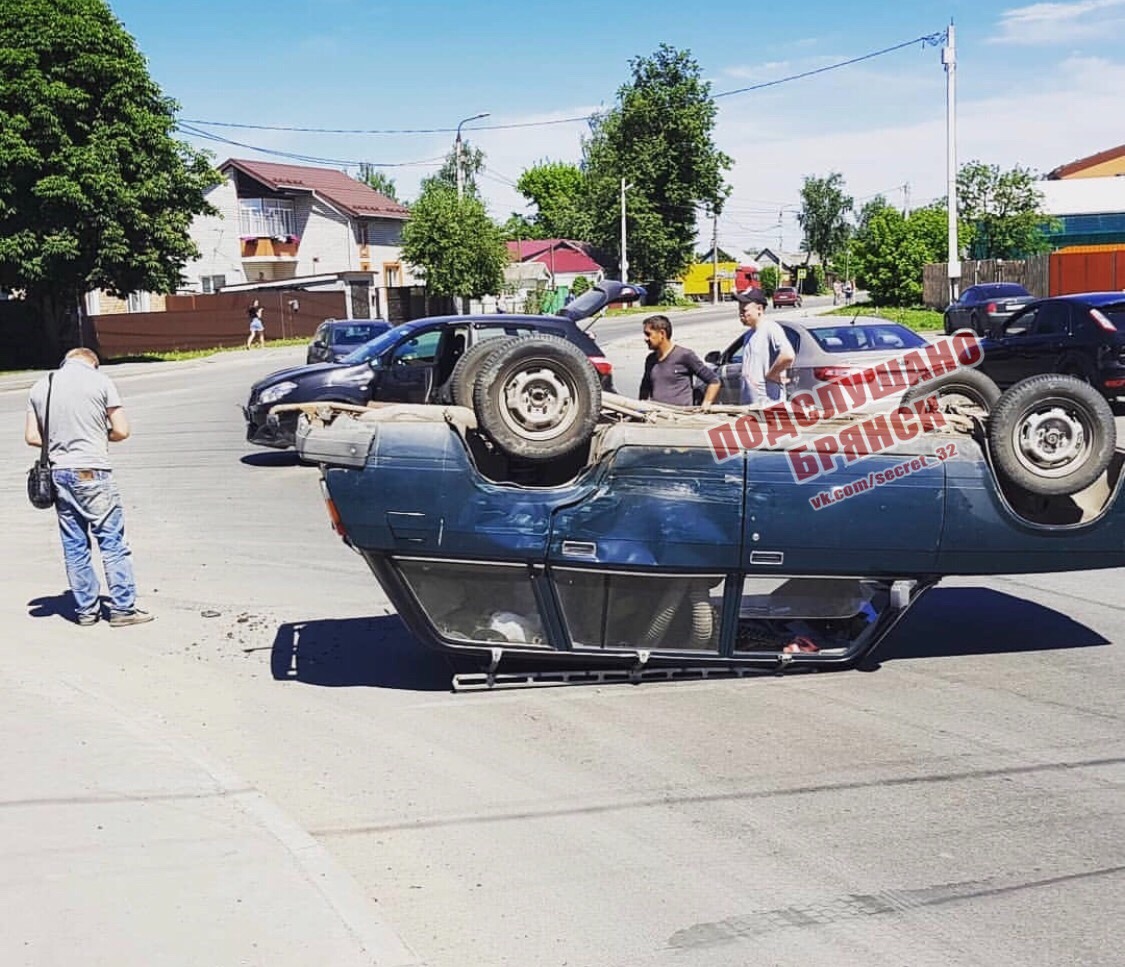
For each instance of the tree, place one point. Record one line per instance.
(659, 139)
(555, 188)
(823, 215)
(453, 243)
(770, 277)
(1004, 209)
(95, 190)
(579, 285)
(890, 251)
(382, 183)
(472, 164)
(519, 227)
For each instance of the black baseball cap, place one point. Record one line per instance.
(751, 295)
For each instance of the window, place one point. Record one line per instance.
(829, 612)
(476, 602)
(392, 274)
(139, 302)
(212, 283)
(420, 350)
(266, 217)
(1021, 323)
(1052, 319)
(677, 613)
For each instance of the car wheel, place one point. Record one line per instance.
(975, 324)
(966, 389)
(467, 368)
(947, 325)
(538, 398)
(1052, 434)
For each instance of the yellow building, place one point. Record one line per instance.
(1105, 164)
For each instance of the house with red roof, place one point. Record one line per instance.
(299, 226)
(563, 260)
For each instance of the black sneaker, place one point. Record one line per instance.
(86, 620)
(122, 619)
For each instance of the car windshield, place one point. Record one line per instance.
(1002, 290)
(866, 338)
(377, 346)
(357, 334)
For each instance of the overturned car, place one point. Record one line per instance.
(552, 520)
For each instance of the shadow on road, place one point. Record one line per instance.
(376, 651)
(957, 622)
(53, 606)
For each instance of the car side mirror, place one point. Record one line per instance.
(713, 358)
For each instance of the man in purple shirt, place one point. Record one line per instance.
(669, 368)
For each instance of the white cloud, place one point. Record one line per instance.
(1053, 23)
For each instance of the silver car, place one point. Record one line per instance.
(826, 348)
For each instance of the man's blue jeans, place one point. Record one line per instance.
(89, 504)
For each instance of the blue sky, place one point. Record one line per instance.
(1037, 84)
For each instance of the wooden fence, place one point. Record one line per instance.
(1033, 274)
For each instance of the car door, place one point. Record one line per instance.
(1040, 350)
(1002, 350)
(409, 368)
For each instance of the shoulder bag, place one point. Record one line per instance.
(40, 485)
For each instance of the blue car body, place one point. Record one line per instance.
(726, 560)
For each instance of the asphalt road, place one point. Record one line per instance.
(958, 802)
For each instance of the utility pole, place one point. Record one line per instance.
(906, 200)
(715, 258)
(457, 150)
(780, 229)
(949, 59)
(624, 256)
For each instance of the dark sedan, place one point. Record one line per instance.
(983, 307)
(416, 362)
(1078, 335)
(336, 338)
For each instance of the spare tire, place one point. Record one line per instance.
(967, 389)
(1052, 434)
(538, 397)
(468, 367)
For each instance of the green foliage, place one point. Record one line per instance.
(914, 317)
(770, 278)
(814, 281)
(1005, 210)
(453, 243)
(823, 215)
(579, 285)
(890, 252)
(555, 188)
(659, 138)
(95, 190)
(518, 227)
(472, 163)
(382, 183)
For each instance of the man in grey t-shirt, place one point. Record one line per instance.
(82, 416)
(669, 368)
(767, 353)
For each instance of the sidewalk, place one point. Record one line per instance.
(121, 845)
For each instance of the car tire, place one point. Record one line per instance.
(947, 324)
(1052, 434)
(976, 325)
(467, 369)
(538, 398)
(963, 388)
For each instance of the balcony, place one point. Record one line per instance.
(267, 228)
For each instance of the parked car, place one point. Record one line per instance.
(654, 552)
(423, 361)
(827, 349)
(786, 295)
(336, 338)
(982, 307)
(1079, 335)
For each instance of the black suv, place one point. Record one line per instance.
(415, 362)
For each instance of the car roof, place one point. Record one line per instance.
(835, 322)
(496, 318)
(1092, 298)
(356, 322)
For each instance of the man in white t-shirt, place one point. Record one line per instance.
(767, 353)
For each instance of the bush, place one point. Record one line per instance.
(769, 278)
(579, 285)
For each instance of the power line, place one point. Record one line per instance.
(925, 40)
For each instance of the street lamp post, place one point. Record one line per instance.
(457, 147)
(949, 60)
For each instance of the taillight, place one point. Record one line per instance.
(991, 307)
(1102, 321)
(602, 365)
(827, 374)
(333, 513)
